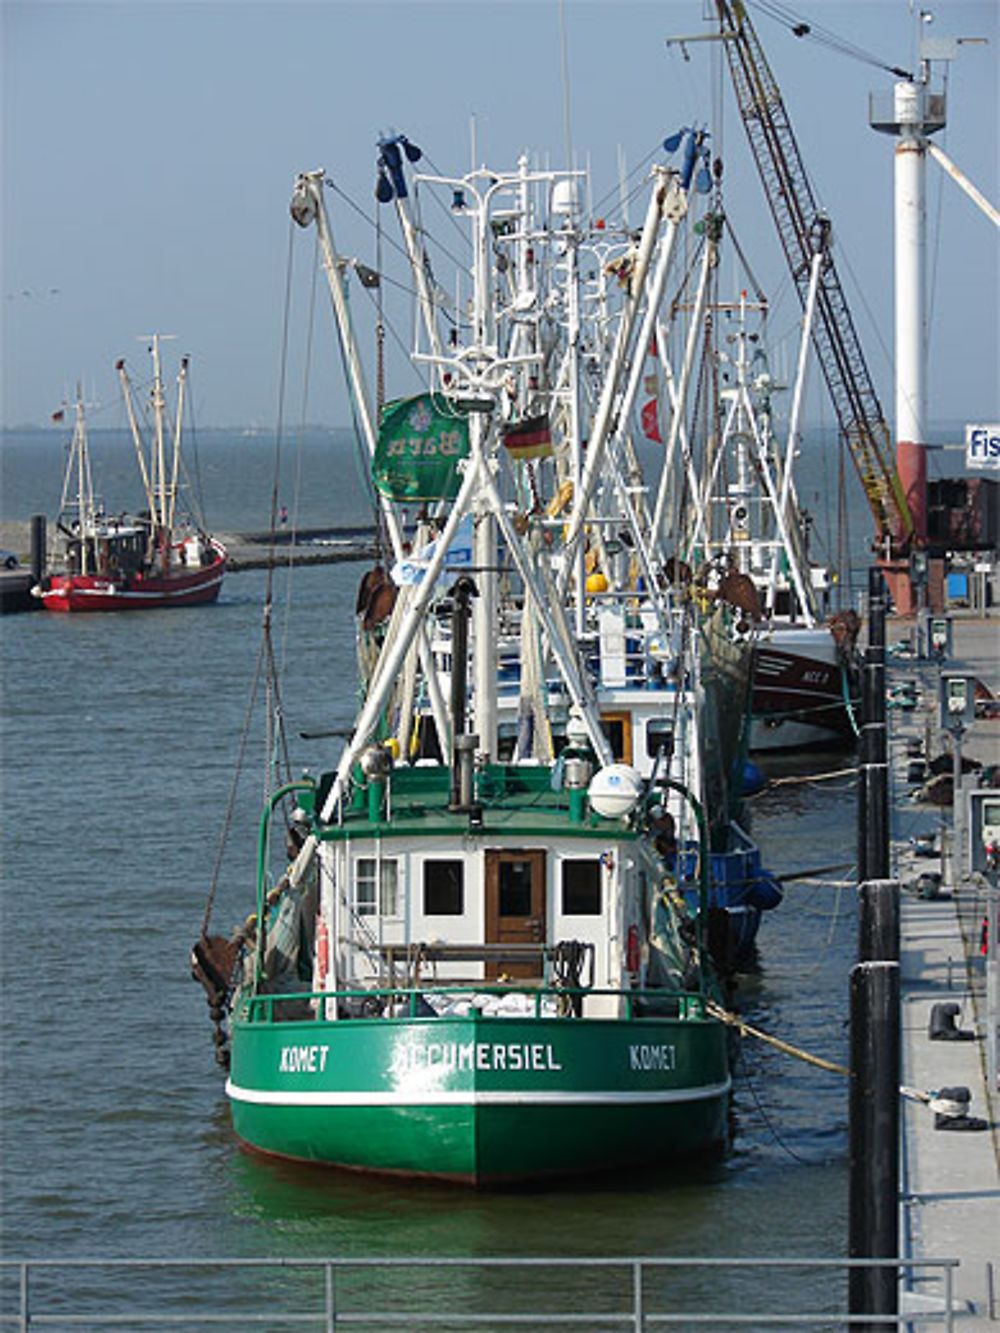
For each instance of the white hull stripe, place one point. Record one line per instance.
(132, 595)
(472, 1098)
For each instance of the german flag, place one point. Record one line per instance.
(528, 439)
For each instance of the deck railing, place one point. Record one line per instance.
(456, 1294)
(267, 1007)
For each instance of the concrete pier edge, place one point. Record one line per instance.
(949, 1179)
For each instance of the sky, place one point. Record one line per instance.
(149, 148)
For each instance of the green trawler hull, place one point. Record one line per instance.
(481, 1099)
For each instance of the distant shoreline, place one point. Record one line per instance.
(60, 429)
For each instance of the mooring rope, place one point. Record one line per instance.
(745, 1029)
(941, 1102)
(796, 779)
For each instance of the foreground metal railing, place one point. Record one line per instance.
(635, 1293)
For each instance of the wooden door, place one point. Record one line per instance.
(515, 908)
(618, 729)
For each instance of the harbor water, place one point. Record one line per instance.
(121, 738)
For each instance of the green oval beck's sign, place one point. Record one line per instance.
(420, 443)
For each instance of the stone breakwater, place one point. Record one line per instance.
(248, 550)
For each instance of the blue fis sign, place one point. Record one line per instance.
(982, 446)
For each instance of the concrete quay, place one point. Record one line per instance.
(950, 1179)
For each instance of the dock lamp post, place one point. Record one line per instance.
(956, 713)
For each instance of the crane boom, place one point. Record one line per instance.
(802, 228)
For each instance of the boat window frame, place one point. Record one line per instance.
(659, 727)
(593, 861)
(426, 864)
(377, 904)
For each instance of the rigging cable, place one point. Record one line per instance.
(758, 290)
(332, 185)
(233, 787)
(462, 235)
(596, 205)
(277, 738)
(297, 487)
(798, 27)
(264, 654)
(194, 484)
(768, 1122)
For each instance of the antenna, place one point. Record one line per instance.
(565, 83)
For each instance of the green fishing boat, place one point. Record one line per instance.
(487, 984)
(474, 968)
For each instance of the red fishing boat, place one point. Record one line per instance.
(157, 558)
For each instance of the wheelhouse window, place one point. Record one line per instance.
(659, 736)
(614, 730)
(581, 888)
(515, 888)
(444, 888)
(376, 888)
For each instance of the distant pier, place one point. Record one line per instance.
(307, 546)
(246, 550)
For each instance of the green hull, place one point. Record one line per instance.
(479, 1099)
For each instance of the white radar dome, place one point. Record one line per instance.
(615, 790)
(564, 197)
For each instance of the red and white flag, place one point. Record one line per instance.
(651, 421)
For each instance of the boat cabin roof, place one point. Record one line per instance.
(510, 800)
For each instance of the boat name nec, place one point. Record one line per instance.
(303, 1059)
(648, 1058)
(506, 1056)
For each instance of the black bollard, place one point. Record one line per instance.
(878, 921)
(38, 560)
(873, 1190)
(873, 750)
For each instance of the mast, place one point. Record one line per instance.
(679, 401)
(140, 452)
(307, 206)
(79, 463)
(175, 472)
(161, 535)
(604, 419)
